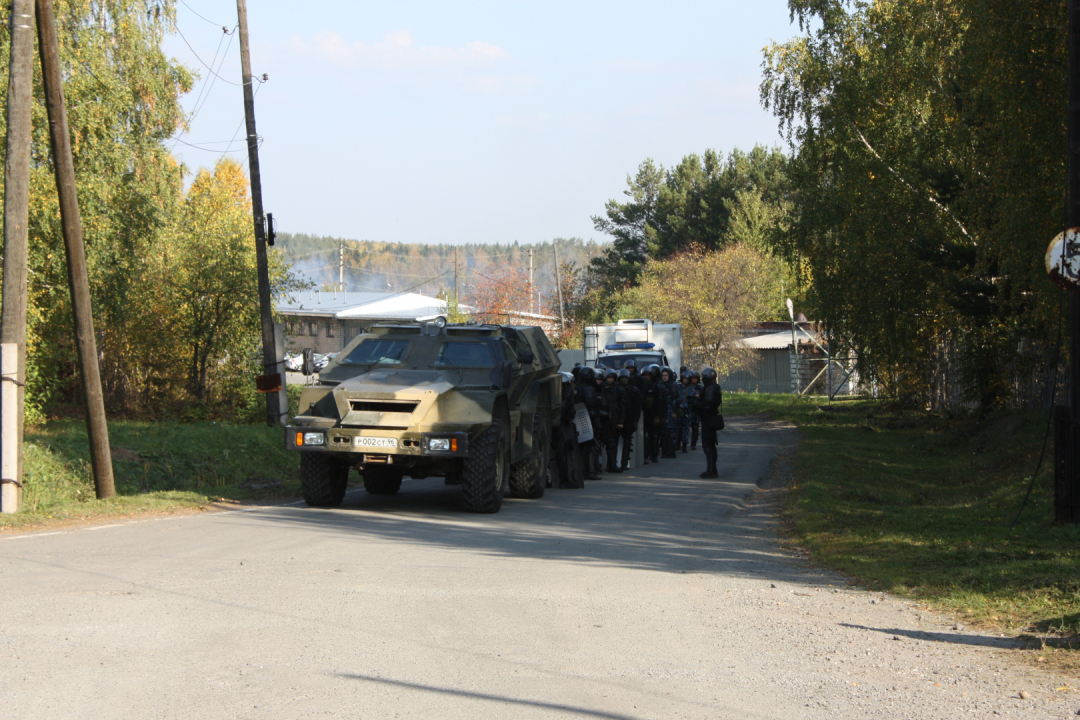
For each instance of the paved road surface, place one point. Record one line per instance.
(655, 595)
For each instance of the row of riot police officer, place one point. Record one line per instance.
(616, 400)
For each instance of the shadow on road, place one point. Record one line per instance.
(658, 517)
(483, 696)
(955, 638)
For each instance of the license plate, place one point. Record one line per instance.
(375, 442)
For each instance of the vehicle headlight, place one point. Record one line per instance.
(313, 438)
(439, 444)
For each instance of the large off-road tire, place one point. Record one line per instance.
(529, 477)
(484, 471)
(323, 478)
(381, 479)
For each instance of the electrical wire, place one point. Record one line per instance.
(200, 16)
(200, 59)
(197, 147)
(506, 285)
(208, 87)
(206, 84)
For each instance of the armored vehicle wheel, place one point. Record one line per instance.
(323, 479)
(528, 477)
(483, 472)
(381, 479)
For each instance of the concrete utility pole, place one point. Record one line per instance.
(558, 282)
(457, 297)
(341, 267)
(270, 355)
(1067, 417)
(16, 214)
(71, 226)
(531, 285)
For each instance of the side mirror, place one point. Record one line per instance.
(309, 361)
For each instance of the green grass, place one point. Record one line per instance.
(920, 506)
(157, 467)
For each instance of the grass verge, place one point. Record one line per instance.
(158, 467)
(921, 506)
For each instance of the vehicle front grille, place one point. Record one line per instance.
(382, 406)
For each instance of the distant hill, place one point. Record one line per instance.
(422, 268)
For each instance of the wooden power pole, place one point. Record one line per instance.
(270, 359)
(1067, 417)
(71, 226)
(558, 282)
(16, 216)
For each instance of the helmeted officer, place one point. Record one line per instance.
(695, 421)
(708, 406)
(652, 411)
(682, 409)
(585, 393)
(671, 421)
(564, 440)
(613, 396)
(631, 414)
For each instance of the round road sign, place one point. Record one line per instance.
(1063, 260)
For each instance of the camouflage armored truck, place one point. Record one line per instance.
(472, 403)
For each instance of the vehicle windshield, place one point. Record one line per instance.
(382, 352)
(464, 354)
(616, 362)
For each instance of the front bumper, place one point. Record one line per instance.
(406, 445)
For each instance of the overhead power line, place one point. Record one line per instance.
(192, 49)
(201, 17)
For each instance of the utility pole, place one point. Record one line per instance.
(1067, 417)
(270, 359)
(71, 226)
(531, 286)
(558, 282)
(457, 298)
(16, 216)
(341, 267)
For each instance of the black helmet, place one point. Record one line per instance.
(653, 370)
(667, 370)
(624, 373)
(629, 364)
(575, 371)
(611, 373)
(682, 370)
(707, 373)
(684, 375)
(695, 374)
(586, 374)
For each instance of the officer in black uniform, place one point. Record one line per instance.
(565, 439)
(708, 407)
(652, 411)
(585, 393)
(614, 399)
(631, 414)
(635, 377)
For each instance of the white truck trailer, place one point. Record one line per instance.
(642, 341)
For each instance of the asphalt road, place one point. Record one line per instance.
(649, 595)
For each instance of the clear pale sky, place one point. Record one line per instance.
(473, 121)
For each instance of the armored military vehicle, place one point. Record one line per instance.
(472, 403)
